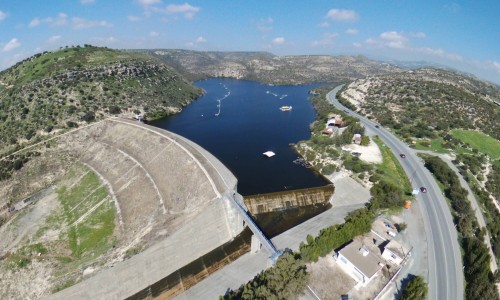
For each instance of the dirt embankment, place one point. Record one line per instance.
(148, 185)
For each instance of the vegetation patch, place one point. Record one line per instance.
(478, 140)
(50, 92)
(90, 216)
(437, 145)
(390, 169)
(476, 258)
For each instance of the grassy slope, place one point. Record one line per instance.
(393, 172)
(57, 90)
(480, 141)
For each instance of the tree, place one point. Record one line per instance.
(415, 290)
(400, 226)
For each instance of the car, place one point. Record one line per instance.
(376, 126)
(402, 155)
(423, 189)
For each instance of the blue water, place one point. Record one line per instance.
(249, 123)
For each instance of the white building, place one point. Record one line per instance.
(357, 261)
(394, 252)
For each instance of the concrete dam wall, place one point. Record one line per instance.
(169, 200)
(264, 203)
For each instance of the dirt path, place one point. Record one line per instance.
(370, 153)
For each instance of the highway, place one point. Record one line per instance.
(445, 276)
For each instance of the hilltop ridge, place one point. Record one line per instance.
(269, 68)
(51, 91)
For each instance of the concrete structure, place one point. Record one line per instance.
(357, 261)
(263, 203)
(171, 196)
(394, 252)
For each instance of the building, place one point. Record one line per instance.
(394, 252)
(357, 138)
(357, 261)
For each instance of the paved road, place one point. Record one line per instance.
(445, 276)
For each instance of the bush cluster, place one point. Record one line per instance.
(476, 257)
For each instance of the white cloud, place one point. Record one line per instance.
(341, 15)
(399, 40)
(201, 39)
(419, 35)
(357, 45)
(61, 20)
(279, 41)
(393, 39)
(35, 22)
(12, 44)
(87, 1)
(80, 23)
(439, 53)
(185, 9)
(104, 40)
(496, 66)
(326, 40)
(351, 31)
(54, 39)
(153, 34)
(452, 8)
(133, 18)
(148, 2)
(2, 15)
(324, 24)
(264, 25)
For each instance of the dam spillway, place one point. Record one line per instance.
(278, 201)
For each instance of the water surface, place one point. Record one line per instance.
(247, 123)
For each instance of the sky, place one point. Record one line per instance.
(464, 35)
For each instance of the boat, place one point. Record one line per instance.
(269, 153)
(285, 108)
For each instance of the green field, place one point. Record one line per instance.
(391, 167)
(480, 141)
(88, 199)
(435, 145)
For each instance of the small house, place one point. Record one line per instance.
(358, 262)
(394, 252)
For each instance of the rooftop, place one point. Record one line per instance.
(368, 264)
(396, 248)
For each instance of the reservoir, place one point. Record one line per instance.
(237, 121)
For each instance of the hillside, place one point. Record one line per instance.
(269, 68)
(52, 91)
(427, 101)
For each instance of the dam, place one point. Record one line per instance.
(173, 198)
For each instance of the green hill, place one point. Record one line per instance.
(52, 91)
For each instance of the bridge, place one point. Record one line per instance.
(265, 242)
